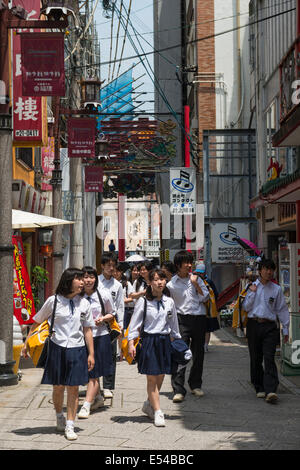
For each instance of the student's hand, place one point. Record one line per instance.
(91, 362)
(253, 288)
(194, 278)
(98, 321)
(131, 351)
(24, 352)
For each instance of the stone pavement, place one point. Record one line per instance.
(228, 417)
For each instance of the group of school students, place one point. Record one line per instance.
(161, 306)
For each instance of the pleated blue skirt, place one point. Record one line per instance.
(212, 324)
(156, 355)
(103, 357)
(66, 366)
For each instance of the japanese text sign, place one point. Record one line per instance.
(43, 71)
(81, 137)
(94, 179)
(182, 191)
(28, 112)
(47, 157)
(23, 300)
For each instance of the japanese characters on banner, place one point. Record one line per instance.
(43, 64)
(81, 137)
(93, 179)
(29, 113)
(22, 298)
(224, 247)
(47, 159)
(182, 191)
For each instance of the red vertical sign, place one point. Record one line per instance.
(47, 159)
(43, 72)
(23, 300)
(27, 111)
(81, 137)
(94, 179)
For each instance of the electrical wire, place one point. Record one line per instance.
(204, 38)
(111, 42)
(125, 35)
(159, 89)
(117, 42)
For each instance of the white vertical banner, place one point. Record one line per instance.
(182, 191)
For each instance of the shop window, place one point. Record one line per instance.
(285, 156)
(24, 156)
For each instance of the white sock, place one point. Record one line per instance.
(158, 411)
(70, 423)
(87, 405)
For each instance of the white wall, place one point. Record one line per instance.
(226, 57)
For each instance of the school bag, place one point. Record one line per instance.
(239, 315)
(38, 342)
(137, 342)
(112, 325)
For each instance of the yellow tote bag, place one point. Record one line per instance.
(36, 341)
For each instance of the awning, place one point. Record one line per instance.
(22, 219)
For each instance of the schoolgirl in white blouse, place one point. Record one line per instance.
(157, 326)
(101, 337)
(68, 363)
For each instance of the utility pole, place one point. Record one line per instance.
(56, 182)
(9, 19)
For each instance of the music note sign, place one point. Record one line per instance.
(183, 190)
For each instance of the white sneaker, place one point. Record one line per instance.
(98, 403)
(147, 409)
(84, 412)
(271, 398)
(260, 394)
(107, 393)
(198, 392)
(70, 433)
(60, 423)
(178, 398)
(159, 419)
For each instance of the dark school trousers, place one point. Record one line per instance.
(192, 329)
(109, 380)
(262, 341)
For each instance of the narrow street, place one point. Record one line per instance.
(228, 417)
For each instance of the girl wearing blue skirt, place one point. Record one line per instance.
(155, 320)
(71, 349)
(102, 344)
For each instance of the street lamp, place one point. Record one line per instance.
(90, 92)
(56, 10)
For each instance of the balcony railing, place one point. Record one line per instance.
(286, 213)
(289, 73)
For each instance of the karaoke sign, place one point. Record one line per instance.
(182, 191)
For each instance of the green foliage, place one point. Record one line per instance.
(39, 276)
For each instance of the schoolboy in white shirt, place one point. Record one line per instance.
(107, 280)
(265, 303)
(189, 294)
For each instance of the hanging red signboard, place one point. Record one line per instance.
(93, 179)
(47, 157)
(29, 113)
(23, 300)
(43, 72)
(81, 137)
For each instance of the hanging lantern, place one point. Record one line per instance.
(56, 10)
(90, 92)
(101, 146)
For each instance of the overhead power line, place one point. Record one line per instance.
(204, 38)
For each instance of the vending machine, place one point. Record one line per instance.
(289, 279)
